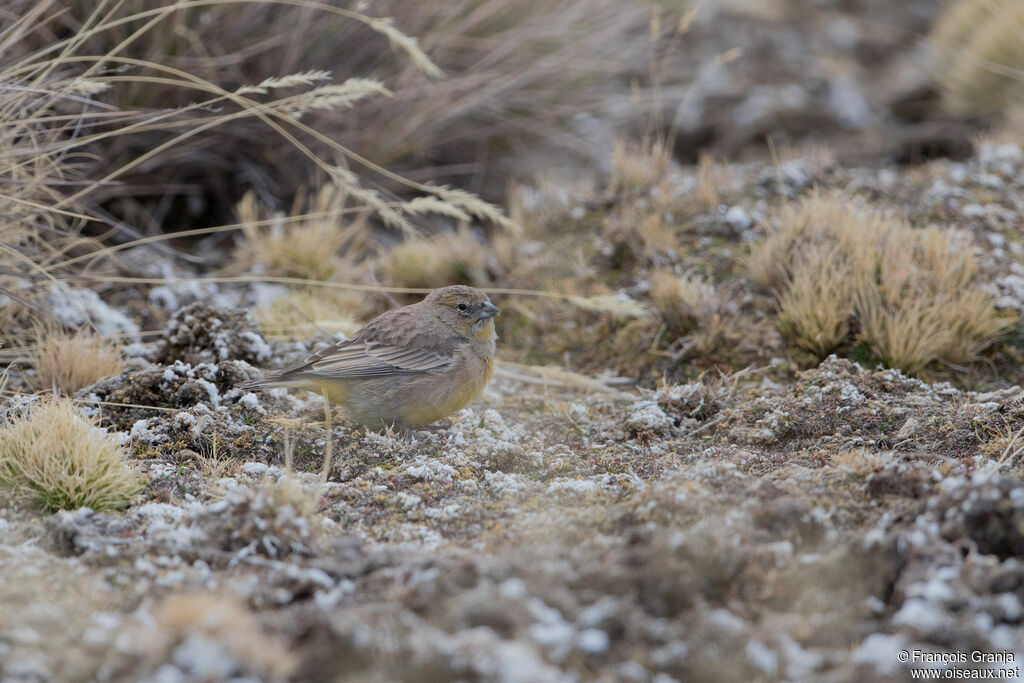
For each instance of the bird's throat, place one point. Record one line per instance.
(484, 330)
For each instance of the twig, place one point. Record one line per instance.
(707, 424)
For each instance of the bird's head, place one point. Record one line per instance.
(466, 309)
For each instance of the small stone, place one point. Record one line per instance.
(593, 641)
(908, 428)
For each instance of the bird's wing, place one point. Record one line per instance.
(395, 342)
(370, 359)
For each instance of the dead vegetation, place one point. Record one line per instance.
(982, 54)
(446, 258)
(843, 273)
(303, 313)
(498, 76)
(692, 306)
(65, 362)
(75, 122)
(314, 245)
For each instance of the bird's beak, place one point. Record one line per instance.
(487, 311)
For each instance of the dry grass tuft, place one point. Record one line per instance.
(820, 274)
(921, 307)
(307, 249)
(683, 302)
(692, 307)
(38, 227)
(447, 258)
(982, 58)
(483, 77)
(220, 623)
(57, 459)
(843, 273)
(121, 102)
(709, 180)
(66, 362)
(640, 235)
(637, 167)
(302, 313)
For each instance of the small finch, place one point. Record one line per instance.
(409, 366)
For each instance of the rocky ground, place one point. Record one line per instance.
(762, 525)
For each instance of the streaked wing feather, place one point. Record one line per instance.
(355, 360)
(394, 342)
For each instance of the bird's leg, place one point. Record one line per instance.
(329, 445)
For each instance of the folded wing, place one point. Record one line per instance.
(370, 359)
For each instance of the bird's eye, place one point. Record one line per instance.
(462, 307)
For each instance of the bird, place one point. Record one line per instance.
(408, 367)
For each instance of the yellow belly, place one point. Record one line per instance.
(422, 413)
(413, 405)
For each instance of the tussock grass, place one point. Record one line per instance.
(922, 307)
(78, 139)
(443, 259)
(302, 313)
(37, 228)
(454, 86)
(820, 274)
(638, 167)
(308, 248)
(982, 54)
(684, 302)
(65, 362)
(112, 123)
(692, 306)
(57, 459)
(842, 273)
(709, 182)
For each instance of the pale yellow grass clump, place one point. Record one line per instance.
(65, 362)
(638, 166)
(981, 46)
(821, 274)
(641, 232)
(308, 248)
(302, 313)
(223, 623)
(842, 272)
(709, 182)
(684, 302)
(692, 305)
(57, 459)
(923, 307)
(443, 259)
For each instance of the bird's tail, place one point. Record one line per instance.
(258, 383)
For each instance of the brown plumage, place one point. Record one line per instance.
(409, 366)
